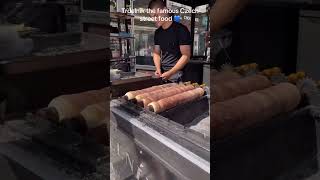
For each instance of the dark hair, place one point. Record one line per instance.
(154, 3)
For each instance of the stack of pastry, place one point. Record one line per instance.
(234, 88)
(164, 97)
(246, 110)
(84, 111)
(70, 106)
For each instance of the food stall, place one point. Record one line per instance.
(172, 142)
(141, 34)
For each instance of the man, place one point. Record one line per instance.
(172, 42)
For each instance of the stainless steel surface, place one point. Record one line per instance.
(137, 76)
(172, 146)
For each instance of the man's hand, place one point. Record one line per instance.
(158, 73)
(166, 75)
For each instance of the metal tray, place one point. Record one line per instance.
(162, 138)
(186, 113)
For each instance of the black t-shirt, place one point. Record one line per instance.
(170, 40)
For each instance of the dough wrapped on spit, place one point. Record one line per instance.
(172, 101)
(243, 111)
(224, 76)
(69, 106)
(95, 115)
(231, 89)
(95, 122)
(132, 94)
(146, 98)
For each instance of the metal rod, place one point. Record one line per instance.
(193, 17)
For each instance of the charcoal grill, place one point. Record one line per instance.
(166, 139)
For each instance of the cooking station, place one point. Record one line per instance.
(159, 145)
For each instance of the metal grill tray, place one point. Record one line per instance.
(172, 125)
(188, 112)
(185, 152)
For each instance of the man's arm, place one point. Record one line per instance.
(157, 58)
(185, 56)
(224, 11)
(186, 53)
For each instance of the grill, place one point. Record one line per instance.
(166, 137)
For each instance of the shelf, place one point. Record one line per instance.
(120, 15)
(121, 58)
(120, 37)
(124, 38)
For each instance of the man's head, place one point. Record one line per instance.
(158, 7)
(153, 4)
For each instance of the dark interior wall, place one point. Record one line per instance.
(96, 5)
(267, 35)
